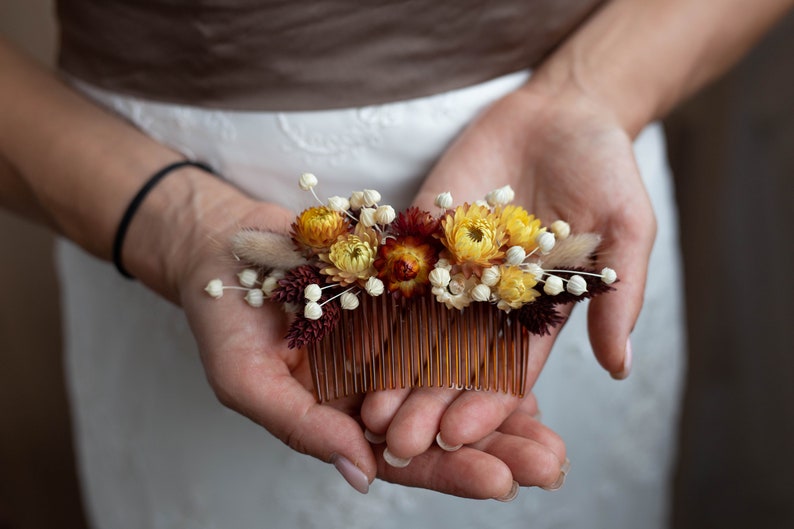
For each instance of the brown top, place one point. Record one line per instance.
(305, 55)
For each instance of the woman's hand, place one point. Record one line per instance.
(252, 371)
(567, 158)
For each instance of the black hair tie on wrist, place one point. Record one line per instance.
(135, 203)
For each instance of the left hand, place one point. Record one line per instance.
(567, 158)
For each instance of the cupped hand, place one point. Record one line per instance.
(567, 158)
(253, 372)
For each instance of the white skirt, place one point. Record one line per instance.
(157, 450)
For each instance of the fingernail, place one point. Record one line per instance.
(510, 496)
(445, 446)
(374, 438)
(627, 360)
(566, 466)
(564, 469)
(393, 460)
(352, 474)
(557, 485)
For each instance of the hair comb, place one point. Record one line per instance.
(384, 300)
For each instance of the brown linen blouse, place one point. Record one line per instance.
(305, 55)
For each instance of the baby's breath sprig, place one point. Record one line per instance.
(248, 278)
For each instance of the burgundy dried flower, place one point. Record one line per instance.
(290, 287)
(304, 331)
(414, 222)
(540, 316)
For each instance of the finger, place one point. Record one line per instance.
(530, 406)
(380, 407)
(531, 463)
(474, 415)
(522, 423)
(416, 423)
(468, 473)
(611, 318)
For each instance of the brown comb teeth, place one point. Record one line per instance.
(389, 344)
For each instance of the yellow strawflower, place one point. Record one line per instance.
(521, 227)
(473, 236)
(352, 256)
(515, 286)
(316, 229)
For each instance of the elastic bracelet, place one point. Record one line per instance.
(135, 203)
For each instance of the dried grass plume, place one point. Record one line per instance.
(266, 249)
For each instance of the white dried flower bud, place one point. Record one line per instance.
(374, 286)
(553, 285)
(500, 197)
(457, 285)
(337, 203)
(481, 293)
(367, 217)
(482, 203)
(371, 197)
(356, 200)
(577, 285)
(307, 181)
(560, 229)
(459, 301)
(444, 200)
(516, 255)
(255, 297)
(248, 277)
(439, 291)
(439, 277)
(443, 263)
(504, 305)
(349, 301)
(313, 292)
(443, 296)
(313, 311)
(545, 241)
(535, 269)
(385, 215)
(215, 288)
(269, 285)
(490, 276)
(608, 275)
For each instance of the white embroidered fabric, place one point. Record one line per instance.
(157, 450)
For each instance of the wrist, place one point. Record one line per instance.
(187, 220)
(570, 77)
(623, 61)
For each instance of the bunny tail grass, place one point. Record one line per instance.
(572, 252)
(266, 249)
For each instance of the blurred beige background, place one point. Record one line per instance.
(733, 151)
(38, 485)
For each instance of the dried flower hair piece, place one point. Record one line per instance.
(384, 299)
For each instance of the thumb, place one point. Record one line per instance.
(611, 318)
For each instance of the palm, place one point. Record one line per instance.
(566, 159)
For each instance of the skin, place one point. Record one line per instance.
(563, 141)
